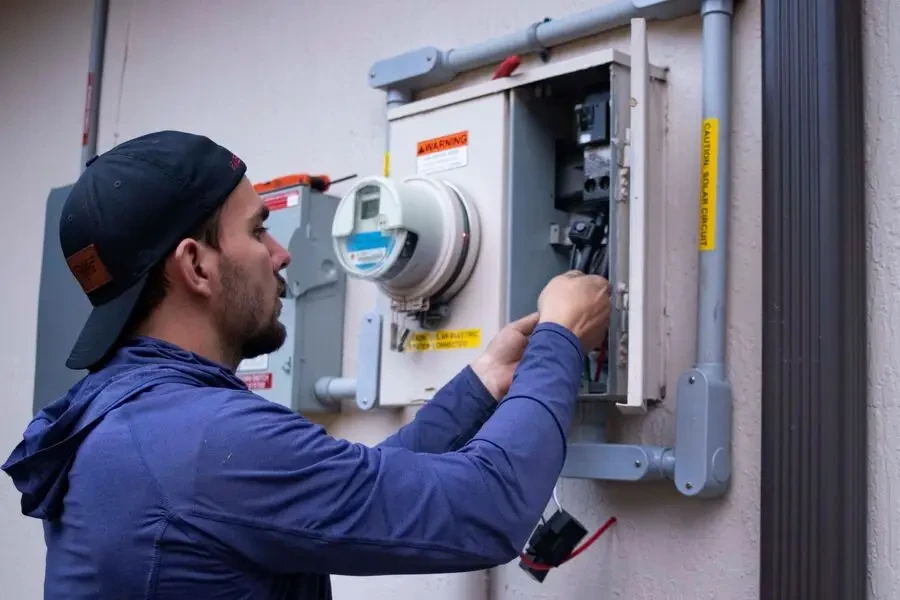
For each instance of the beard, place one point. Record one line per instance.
(248, 322)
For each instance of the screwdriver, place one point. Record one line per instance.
(320, 183)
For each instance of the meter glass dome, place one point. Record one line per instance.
(417, 239)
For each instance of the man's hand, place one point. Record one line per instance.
(580, 303)
(496, 366)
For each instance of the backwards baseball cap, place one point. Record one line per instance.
(129, 209)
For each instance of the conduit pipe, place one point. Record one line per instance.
(405, 74)
(94, 83)
(703, 413)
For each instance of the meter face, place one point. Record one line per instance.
(369, 200)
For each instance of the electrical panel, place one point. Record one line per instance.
(555, 168)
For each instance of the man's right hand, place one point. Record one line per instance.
(578, 302)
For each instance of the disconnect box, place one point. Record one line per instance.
(498, 187)
(300, 219)
(313, 312)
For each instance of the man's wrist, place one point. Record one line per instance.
(487, 374)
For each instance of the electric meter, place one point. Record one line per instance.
(416, 239)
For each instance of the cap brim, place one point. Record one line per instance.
(103, 327)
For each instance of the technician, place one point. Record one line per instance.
(160, 475)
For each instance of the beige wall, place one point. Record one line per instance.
(882, 96)
(283, 83)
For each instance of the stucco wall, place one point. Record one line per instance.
(882, 95)
(283, 83)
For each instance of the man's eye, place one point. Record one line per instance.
(260, 231)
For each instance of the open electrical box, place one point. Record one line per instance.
(496, 188)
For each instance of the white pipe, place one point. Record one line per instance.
(540, 36)
(330, 389)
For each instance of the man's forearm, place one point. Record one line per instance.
(450, 419)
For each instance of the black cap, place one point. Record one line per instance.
(128, 210)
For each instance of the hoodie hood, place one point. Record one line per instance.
(40, 463)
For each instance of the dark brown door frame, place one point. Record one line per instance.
(814, 353)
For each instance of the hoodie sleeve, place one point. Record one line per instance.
(274, 489)
(450, 419)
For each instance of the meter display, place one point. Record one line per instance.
(417, 239)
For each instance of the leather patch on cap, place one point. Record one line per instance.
(88, 269)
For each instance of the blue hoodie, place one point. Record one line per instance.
(163, 476)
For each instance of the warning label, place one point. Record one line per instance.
(257, 381)
(442, 153)
(458, 339)
(709, 166)
(285, 200)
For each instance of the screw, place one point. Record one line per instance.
(692, 379)
(637, 464)
(689, 485)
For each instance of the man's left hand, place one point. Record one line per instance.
(495, 368)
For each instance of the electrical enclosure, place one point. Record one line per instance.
(313, 312)
(547, 157)
(62, 311)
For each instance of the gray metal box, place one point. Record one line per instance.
(62, 311)
(300, 219)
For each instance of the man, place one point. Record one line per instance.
(160, 475)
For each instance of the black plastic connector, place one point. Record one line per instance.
(551, 544)
(587, 238)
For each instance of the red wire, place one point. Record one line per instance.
(506, 68)
(587, 544)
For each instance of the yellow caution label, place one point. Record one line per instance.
(445, 339)
(709, 167)
(387, 164)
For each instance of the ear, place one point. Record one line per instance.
(195, 266)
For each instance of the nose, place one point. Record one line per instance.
(281, 258)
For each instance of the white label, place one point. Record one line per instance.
(367, 256)
(260, 363)
(452, 158)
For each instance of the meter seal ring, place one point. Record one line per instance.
(469, 251)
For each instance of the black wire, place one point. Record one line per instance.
(591, 261)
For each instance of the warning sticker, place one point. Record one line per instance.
(257, 381)
(457, 339)
(709, 166)
(285, 200)
(442, 153)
